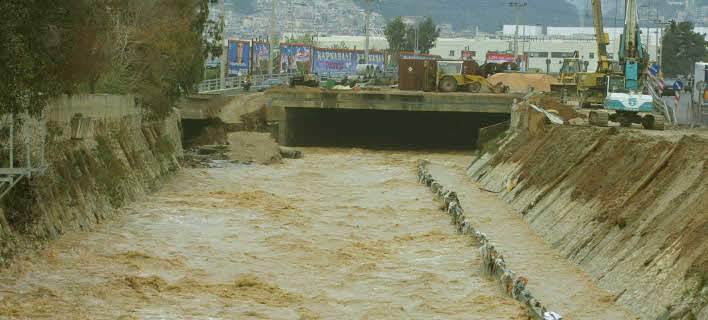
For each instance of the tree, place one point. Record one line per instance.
(407, 38)
(151, 48)
(395, 33)
(681, 48)
(306, 39)
(428, 35)
(48, 47)
(156, 50)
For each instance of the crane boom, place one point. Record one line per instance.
(633, 56)
(631, 41)
(603, 40)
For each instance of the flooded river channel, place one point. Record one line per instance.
(341, 234)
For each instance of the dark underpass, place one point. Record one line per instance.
(385, 129)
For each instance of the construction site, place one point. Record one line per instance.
(444, 189)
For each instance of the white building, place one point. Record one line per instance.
(540, 43)
(539, 50)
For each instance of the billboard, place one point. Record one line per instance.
(327, 61)
(494, 57)
(375, 58)
(261, 57)
(418, 56)
(239, 57)
(295, 58)
(468, 55)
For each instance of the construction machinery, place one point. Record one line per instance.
(623, 87)
(308, 80)
(567, 83)
(592, 86)
(459, 75)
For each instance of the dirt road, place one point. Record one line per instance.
(342, 234)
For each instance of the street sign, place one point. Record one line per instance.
(654, 69)
(678, 85)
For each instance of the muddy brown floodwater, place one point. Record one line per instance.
(341, 234)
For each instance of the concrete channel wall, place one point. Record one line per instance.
(97, 106)
(628, 206)
(117, 157)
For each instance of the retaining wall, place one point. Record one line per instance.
(118, 158)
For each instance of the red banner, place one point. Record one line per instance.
(499, 57)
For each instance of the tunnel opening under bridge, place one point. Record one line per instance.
(384, 129)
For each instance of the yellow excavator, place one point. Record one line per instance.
(454, 76)
(567, 87)
(591, 86)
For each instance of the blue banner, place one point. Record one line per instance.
(327, 61)
(378, 59)
(239, 57)
(418, 56)
(261, 57)
(295, 58)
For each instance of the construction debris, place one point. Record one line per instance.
(290, 153)
(253, 147)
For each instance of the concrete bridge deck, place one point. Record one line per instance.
(309, 116)
(391, 100)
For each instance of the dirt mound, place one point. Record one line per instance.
(254, 147)
(241, 105)
(520, 82)
(552, 103)
(628, 206)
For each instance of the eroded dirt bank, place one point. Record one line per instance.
(629, 206)
(342, 234)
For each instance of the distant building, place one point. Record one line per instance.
(538, 49)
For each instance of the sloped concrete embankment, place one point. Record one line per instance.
(103, 162)
(629, 207)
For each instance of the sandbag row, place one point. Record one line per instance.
(493, 262)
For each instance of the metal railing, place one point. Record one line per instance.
(233, 83)
(259, 81)
(22, 150)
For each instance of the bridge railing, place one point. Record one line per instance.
(231, 83)
(259, 81)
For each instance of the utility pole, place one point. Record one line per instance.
(273, 35)
(224, 52)
(366, 31)
(517, 6)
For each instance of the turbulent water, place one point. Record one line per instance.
(342, 234)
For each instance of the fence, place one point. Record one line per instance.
(22, 149)
(233, 83)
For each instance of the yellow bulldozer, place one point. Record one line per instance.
(458, 75)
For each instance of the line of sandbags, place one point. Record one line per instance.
(493, 262)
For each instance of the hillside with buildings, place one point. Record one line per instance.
(252, 18)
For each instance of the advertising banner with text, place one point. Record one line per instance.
(328, 61)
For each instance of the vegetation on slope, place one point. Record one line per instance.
(151, 48)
